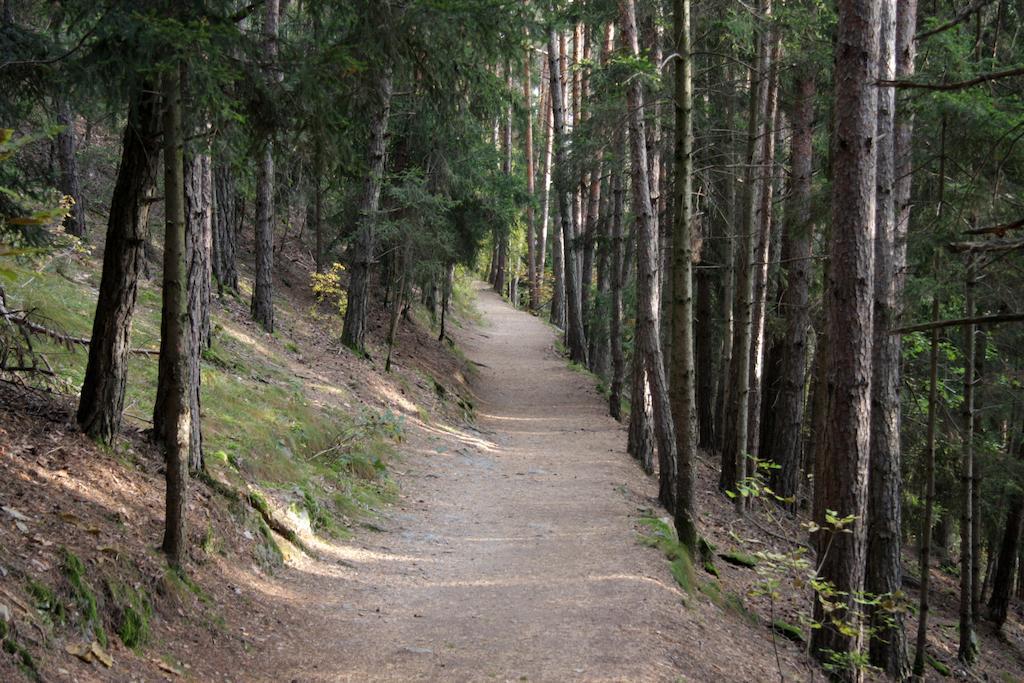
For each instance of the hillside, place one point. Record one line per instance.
(458, 519)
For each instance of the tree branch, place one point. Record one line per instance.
(956, 322)
(958, 19)
(956, 85)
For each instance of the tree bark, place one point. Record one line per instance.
(845, 455)
(1009, 548)
(226, 220)
(648, 337)
(888, 646)
(174, 379)
(764, 189)
(735, 448)
(531, 247)
(683, 389)
(574, 338)
(102, 398)
(616, 281)
(353, 332)
(786, 440)
(262, 307)
(74, 222)
(929, 500)
(967, 650)
(198, 238)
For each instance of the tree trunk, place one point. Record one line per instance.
(845, 455)
(542, 240)
(353, 332)
(502, 231)
(786, 440)
(734, 451)
(262, 307)
(683, 390)
(174, 379)
(704, 359)
(648, 338)
(574, 337)
(616, 271)
(764, 188)
(102, 398)
(74, 222)
(967, 651)
(318, 208)
(446, 297)
(198, 238)
(600, 349)
(226, 220)
(888, 646)
(1002, 583)
(531, 247)
(929, 499)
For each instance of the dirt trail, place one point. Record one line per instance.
(513, 555)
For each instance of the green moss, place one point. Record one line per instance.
(24, 659)
(46, 601)
(787, 630)
(710, 568)
(682, 571)
(939, 667)
(132, 613)
(663, 537)
(740, 559)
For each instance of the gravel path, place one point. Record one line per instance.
(513, 554)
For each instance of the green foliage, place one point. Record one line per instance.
(83, 595)
(132, 611)
(663, 537)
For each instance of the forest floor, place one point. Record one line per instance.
(510, 538)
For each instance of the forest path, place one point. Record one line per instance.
(513, 554)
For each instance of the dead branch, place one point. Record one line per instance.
(956, 322)
(956, 85)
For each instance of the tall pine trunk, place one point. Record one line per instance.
(648, 335)
(174, 379)
(929, 498)
(531, 191)
(786, 440)
(574, 337)
(616, 278)
(849, 298)
(74, 222)
(101, 403)
(967, 651)
(262, 306)
(353, 333)
(888, 646)
(226, 221)
(735, 448)
(764, 189)
(1002, 583)
(683, 390)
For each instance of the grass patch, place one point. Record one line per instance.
(84, 596)
(132, 611)
(740, 559)
(939, 667)
(23, 657)
(46, 601)
(663, 537)
(788, 631)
